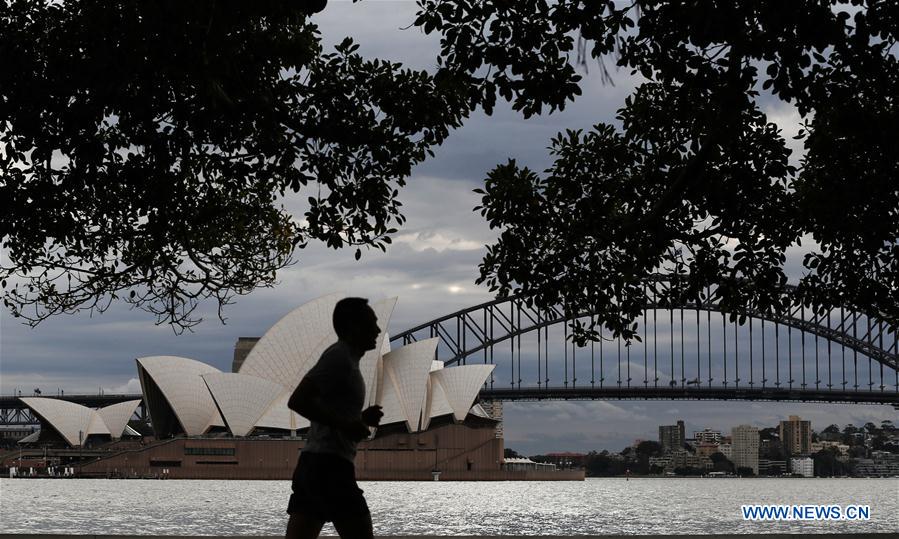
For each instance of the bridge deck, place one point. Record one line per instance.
(691, 393)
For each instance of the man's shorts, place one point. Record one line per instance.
(324, 488)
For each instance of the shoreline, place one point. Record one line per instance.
(719, 536)
(362, 480)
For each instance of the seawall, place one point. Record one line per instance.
(722, 536)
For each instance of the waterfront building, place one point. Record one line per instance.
(524, 464)
(708, 435)
(745, 447)
(726, 449)
(882, 464)
(672, 437)
(795, 435)
(685, 459)
(566, 459)
(803, 466)
(772, 467)
(820, 446)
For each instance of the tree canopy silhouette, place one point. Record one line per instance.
(693, 181)
(144, 147)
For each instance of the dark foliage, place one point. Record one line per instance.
(721, 463)
(694, 182)
(145, 146)
(828, 464)
(688, 470)
(649, 448)
(603, 465)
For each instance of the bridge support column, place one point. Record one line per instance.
(494, 409)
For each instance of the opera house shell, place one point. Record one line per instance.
(74, 423)
(188, 397)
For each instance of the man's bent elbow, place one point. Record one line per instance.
(297, 404)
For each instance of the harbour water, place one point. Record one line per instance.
(595, 506)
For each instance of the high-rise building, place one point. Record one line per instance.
(795, 435)
(708, 436)
(494, 409)
(745, 447)
(672, 437)
(241, 351)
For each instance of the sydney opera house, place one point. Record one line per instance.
(212, 424)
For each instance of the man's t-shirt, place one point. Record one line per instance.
(342, 389)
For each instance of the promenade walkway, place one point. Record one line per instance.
(722, 536)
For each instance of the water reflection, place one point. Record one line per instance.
(600, 506)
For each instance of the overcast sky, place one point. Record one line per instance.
(431, 267)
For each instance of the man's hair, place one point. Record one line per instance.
(348, 313)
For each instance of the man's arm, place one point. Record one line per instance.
(306, 401)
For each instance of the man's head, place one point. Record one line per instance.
(356, 323)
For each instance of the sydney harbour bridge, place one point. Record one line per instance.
(691, 351)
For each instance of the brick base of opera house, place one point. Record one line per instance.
(461, 452)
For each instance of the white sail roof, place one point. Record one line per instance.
(180, 380)
(371, 363)
(438, 404)
(479, 411)
(66, 418)
(241, 399)
(97, 426)
(461, 385)
(116, 416)
(389, 400)
(33, 437)
(379, 378)
(292, 346)
(407, 370)
(279, 416)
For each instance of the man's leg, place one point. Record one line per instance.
(357, 526)
(301, 526)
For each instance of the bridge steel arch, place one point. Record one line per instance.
(476, 331)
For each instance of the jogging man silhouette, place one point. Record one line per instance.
(331, 396)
